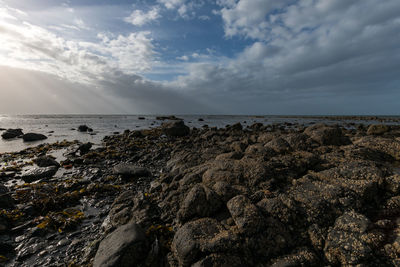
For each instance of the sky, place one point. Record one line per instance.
(300, 57)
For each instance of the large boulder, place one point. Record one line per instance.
(29, 137)
(127, 170)
(199, 202)
(11, 133)
(247, 217)
(84, 128)
(175, 128)
(46, 161)
(39, 173)
(345, 244)
(126, 246)
(195, 239)
(327, 135)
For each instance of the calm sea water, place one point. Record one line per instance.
(60, 127)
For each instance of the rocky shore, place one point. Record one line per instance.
(278, 195)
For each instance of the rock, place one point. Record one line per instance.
(377, 129)
(126, 246)
(175, 128)
(85, 148)
(222, 260)
(11, 133)
(303, 257)
(387, 145)
(199, 202)
(46, 161)
(246, 215)
(321, 202)
(344, 243)
(83, 128)
(327, 135)
(393, 184)
(192, 240)
(127, 170)
(30, 137)
(6, 201)
(39, 173)
(172, 117)
(235, 127)
(298, 141)
(363, 178)
(280, 145)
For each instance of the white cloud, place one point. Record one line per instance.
(31, 47)
(186, 9)
(140, 18)
(184, 58)
(172, 4)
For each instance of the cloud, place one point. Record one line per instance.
(303, 50)
(320, 56)
(32, 47)
(140, 18)
(185, 9)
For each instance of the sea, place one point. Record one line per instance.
(64, 127)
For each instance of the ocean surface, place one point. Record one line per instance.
(63, 127)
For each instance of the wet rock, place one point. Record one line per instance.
(46, 161)
(39, 173)
(85, 148)
(246, 215)
(7, 174)
(199, 202)
(83, 128)
(175, 128)
(126, 246)
(327, 135)
(12, 133)
(192, 240)
(127, 170)
(377, 129)
(172, 117)
(344, 244)
(30, 137)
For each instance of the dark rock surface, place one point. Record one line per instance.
(175, 128)
(46, 161)
(12, 133)
(124, 247)
(127, 170)
(39, 173)
(29, 137)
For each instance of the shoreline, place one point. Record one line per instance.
(257, 196)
